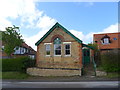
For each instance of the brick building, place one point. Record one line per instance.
(60, 49)
(23, 50)
(107, 41)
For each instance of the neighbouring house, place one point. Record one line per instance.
(60, 53)
(107, 42)
(23, 50)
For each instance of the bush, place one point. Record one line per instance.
(110, 62)
(17, 64)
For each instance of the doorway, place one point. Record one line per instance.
(86, 56)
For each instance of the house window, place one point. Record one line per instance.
(105, 41)
(67, 49)
(114, 38)
(57, 46)
(47, 49)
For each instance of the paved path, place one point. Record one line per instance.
(93, 84)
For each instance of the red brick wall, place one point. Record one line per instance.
(114, 43)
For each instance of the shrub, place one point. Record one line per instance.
(110, 62)
(17, 64)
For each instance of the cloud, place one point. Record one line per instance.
(28, 15)
(44, 24)
(88, 38)
(111, 29)
(78, 34)
(31, 17)
(14, 9)
(4, 23)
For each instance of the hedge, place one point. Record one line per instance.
(17, 64)
(110, 61)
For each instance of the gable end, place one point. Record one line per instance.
(64, 29)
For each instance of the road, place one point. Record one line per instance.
(83, 84)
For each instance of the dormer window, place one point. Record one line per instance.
(105, 40)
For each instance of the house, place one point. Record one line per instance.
(23, 50)
(107, 41)
(58, 51)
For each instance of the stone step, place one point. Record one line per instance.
(89, 70)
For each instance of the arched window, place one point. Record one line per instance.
(57, 46)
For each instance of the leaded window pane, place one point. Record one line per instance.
(57, 41)
(57, 46)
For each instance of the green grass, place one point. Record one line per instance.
(0, 74)
(14, 75)
(113, 75)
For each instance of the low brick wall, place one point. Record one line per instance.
(52, 72)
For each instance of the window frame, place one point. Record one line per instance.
(57, 41)
(46, 49)
(104, 42)
(57, 49)
(67, 49)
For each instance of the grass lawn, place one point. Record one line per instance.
(113, 75)
(20, 75)
(14, 75)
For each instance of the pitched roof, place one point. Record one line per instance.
(64, 29)
(106, 36)
(28, 47)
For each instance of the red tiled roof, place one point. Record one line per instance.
(26, 46)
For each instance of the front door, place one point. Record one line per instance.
(86, 56)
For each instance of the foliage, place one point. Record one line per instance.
(17, 64)
(11, 38)
(110, 62)
(96, 53)
(14, 75)
(94, 45)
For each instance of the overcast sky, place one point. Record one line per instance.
(35, 18)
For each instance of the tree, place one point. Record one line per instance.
(11, 39)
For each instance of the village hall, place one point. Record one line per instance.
(60, 53)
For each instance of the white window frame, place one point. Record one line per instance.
(54, 49)
(65, 49)
(47, 43)
(66, 42)
(46, 50)
(104, 43)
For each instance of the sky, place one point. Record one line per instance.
(35, 18)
